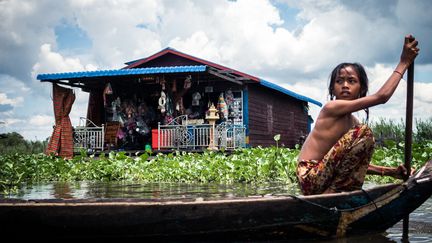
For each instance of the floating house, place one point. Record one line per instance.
(175, 101)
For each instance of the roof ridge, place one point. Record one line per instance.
(291, 93)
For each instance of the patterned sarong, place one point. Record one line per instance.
(343, 168)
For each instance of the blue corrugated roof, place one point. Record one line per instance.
(158, 70)
(122, 72)
(288, 92)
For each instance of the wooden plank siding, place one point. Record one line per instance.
(271, 113)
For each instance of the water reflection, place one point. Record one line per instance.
(151, 191)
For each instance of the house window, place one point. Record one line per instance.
(269, 118)
(291, 119)
(235, 107)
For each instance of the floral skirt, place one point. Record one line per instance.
(343, 168)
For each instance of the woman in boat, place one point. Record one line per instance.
(336, 154)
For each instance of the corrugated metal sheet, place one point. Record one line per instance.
(288, 92)
(122, 72)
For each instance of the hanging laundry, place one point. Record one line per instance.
(169, 106)
(107, 91)
(222, 107)
(229, 97)
(116, 106)
(130, 109)
(188, 82)
(121, 134)
(179, 106)
(163, 82)
(196, 99)
(162, 102)
(174, 86)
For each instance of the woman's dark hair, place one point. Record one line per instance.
(364, 81)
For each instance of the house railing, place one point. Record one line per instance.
(230, 136)
(88, 137)
(178, 134)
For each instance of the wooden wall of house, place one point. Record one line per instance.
(272, 112)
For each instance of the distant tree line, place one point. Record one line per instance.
(11, 143)
(389, 130)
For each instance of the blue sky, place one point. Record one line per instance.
(294, 44)
(70, 37)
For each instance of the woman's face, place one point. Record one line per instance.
(347, 84)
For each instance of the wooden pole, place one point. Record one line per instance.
(408, 137)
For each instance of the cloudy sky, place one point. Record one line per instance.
(294, 44)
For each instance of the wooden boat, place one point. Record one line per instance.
(252, 218)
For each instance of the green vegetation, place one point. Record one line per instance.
(12, 143)
(253, 165)
(247, 165)
(391, 131)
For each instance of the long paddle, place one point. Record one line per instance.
(408, 137)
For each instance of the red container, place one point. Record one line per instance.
(155, 139)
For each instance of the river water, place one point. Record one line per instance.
(420, 225)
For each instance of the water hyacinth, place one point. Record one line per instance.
(251, 165)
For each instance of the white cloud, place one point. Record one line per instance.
(246, 35)
(197, 44)
(223, 34)
(12, 85)
(423, 92)
(53, 62)
(395, 108)
(24, 26)
(41, 120)
(9, 122)
(120, 31)
(4, 100)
